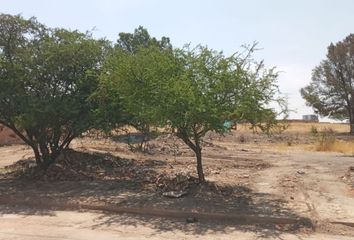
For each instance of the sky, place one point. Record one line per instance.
(292, 35)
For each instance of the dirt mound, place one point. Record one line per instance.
(78, 166)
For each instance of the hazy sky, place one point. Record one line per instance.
(293, 35)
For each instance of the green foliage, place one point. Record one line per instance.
(331, 87)
(212, 89)
(192, 90)
(46, 78)
(132, 42)
(132, 78)
(49, 88)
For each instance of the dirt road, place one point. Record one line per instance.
(29, 224)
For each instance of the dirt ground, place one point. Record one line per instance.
(22, 223)
(279, 193)
(7, 136)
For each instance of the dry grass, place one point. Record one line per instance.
(333, 145)
(339, 146)
(302, 127)
(321, 137)
(326, 138)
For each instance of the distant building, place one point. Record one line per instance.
(310, 117)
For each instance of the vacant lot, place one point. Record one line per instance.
(284, 186)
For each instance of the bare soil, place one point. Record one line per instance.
(246, 175)
(7, 136)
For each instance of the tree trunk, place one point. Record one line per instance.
(44, 160)
(196, 149)
(351, 122)
(37, 156)
(48, 160)
(350, 109)
(198, 154)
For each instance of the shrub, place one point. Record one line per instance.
(314, 130)
(326, 140)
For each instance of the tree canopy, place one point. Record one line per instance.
(193, 90)
(211, 89)
(134, 80)
(46, 78)
(331, 90)
(131, 42)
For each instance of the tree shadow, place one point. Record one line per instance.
(261, 213)
(128, 183)
(79, 176)
(84, 166)
(26, 211)
(162, 225)
(137, 141)
(131, 138)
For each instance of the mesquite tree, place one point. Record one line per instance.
(211, 89)
(192, 90)
(46, 79)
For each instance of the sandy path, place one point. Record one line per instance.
(11, 154)
(27, 224)
(311, 183)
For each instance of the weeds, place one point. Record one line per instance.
(314, 131)
(326, 140)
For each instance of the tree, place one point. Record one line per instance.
(46, 79)
(331, 91)
(211, 89)
(133, 82)
(191, 90)
(131, 42)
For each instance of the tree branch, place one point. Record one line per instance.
(17, 132)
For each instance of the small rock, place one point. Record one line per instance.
(292, 198)
(300, 172)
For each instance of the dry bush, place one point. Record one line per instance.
(343, 147)
(314, 130)
(326, 140)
